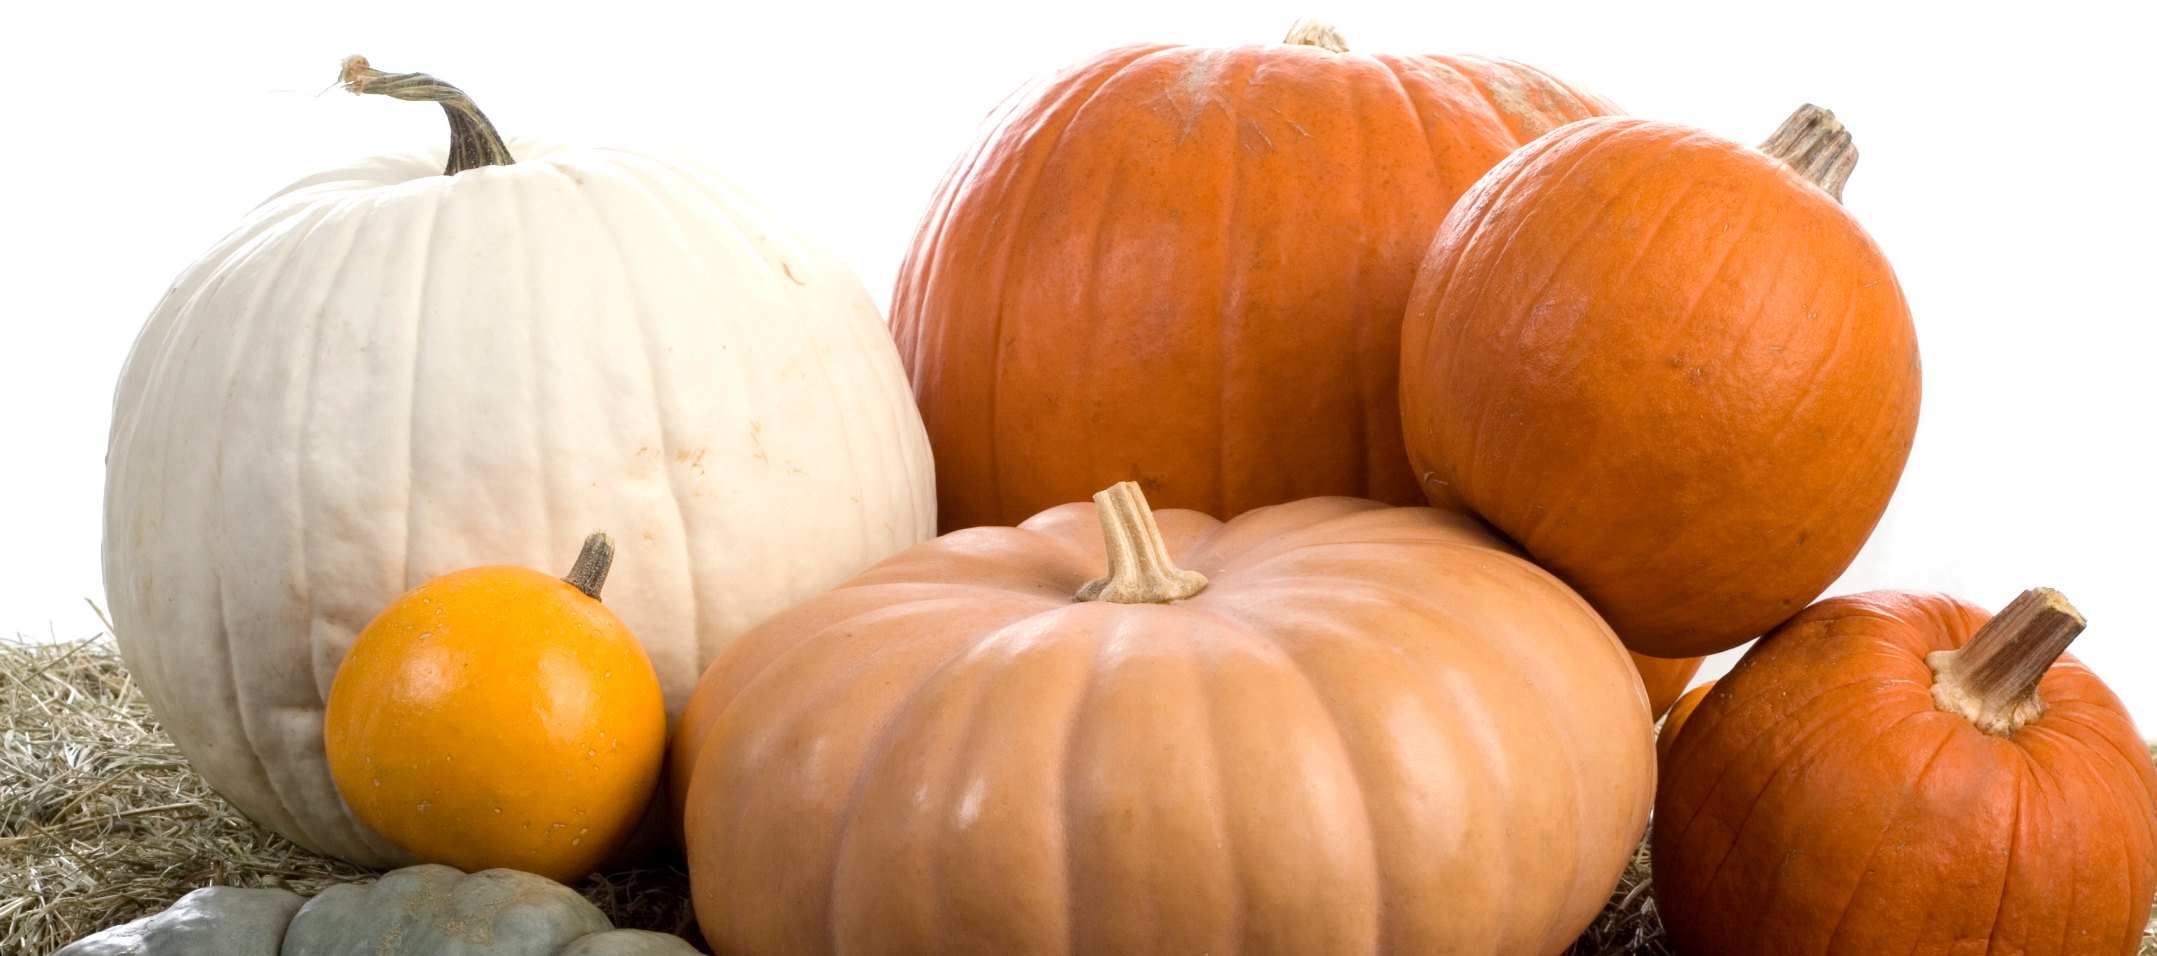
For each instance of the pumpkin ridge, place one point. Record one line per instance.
(1585, 98)
(1605, 416)
(1381, 881)
(2014, 844)
(430, 244)
(537, 390)
(1892, 821)
(1019, 203)
(1231, 319)
(1392, 69)
(1268, 650)
(303, 490)
(1363, 477)
(1224, 831)
(728, 203)
(1072, 907)
(1477, 290)
(879, 750)
(2109, 787)
(256, 310)
(1803, 744)
(661, 385)
(911, 297)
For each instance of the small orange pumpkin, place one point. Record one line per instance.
(1674, 721)
(499, 717)
(1664, 678)
(1895, 773)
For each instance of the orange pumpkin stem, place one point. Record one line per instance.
(1815, 143)
(1139, 568)
(473, 141)
(594, 560)
(1309, 32)
(1993, 678)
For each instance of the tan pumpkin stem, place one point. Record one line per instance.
(1139, 568)
(473, 141)
(1993, 678)
(1309, 32)
(1815, 143)
(594, 560)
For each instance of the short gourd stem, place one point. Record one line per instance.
(473, 141)
(1815, 143)
(1139, 568)
(1309, 32)
(1993, 678)
(589, 574)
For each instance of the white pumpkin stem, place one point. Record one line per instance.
(1310, 32)
(1139, 568)
(594, 560)
(473, 141)
(1815, 143)
(1993, 678)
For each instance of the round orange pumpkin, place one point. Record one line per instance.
(1664, 679)
(1895, 773)
(1674, 721)
(1189, 264)
(1347, 728)
(500, 717)
(1670, 366)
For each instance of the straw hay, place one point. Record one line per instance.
(101, 821)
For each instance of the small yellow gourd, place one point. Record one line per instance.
(499, 717)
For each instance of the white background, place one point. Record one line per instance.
(2007, 171)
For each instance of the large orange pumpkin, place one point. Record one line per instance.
(1895, 773)
(1670, 366)
(1349, 728)
(1189, 264)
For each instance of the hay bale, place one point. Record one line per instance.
(102, 821)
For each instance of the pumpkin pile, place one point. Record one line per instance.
(1475, 415)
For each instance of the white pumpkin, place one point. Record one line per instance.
(387, 373)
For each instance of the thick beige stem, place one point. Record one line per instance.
(594, 560)
(1309, 32)
(473, 141)
(1139, 568)
(1993, 679)
(1813, 142)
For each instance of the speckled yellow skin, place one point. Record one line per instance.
(497, 716)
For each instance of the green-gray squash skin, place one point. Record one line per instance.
(425, 910)
(212, 921)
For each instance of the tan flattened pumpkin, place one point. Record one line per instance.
(1323, 727)
(1189, 264)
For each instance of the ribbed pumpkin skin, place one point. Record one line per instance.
(1374, 732)
(1678, 374)
(1818, 803)
(386, 374)
(1186, 266)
